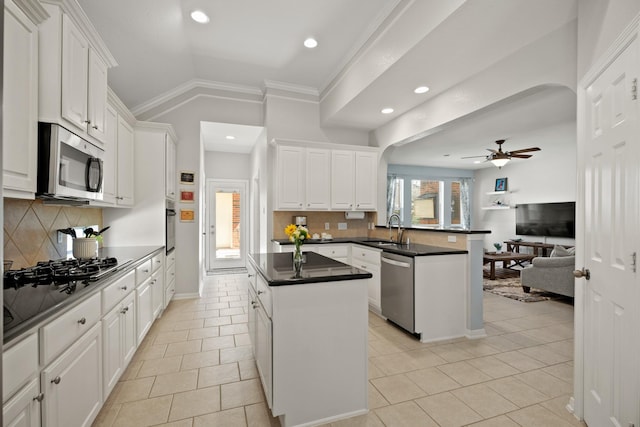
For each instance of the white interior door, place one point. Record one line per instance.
(611, 305)
(227, 227)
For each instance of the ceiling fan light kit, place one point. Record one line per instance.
(500, 158)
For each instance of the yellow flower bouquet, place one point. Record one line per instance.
(297, 234)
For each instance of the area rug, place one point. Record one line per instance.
(511, 288)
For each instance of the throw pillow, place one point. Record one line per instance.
(562, 251)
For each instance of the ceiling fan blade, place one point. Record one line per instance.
(492, 150)
(473, 157)
(521, 156)
(525, 150)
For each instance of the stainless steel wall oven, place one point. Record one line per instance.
(170, 226)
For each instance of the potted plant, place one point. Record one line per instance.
(498, 247)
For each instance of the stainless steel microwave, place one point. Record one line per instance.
(69, 167)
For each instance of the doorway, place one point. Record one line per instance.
(227, 226)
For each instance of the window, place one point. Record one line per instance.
(425, 197)
(456, 203)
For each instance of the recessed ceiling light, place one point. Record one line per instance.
(447, 155)
(421, 89)
(199, 16)
(477, 161)
(387, 110)
(310, 43)
(230, 137)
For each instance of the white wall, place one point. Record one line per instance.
(548, 176)
(218, 165)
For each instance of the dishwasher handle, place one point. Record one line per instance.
(396, 263)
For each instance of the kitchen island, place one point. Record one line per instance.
(309, 330)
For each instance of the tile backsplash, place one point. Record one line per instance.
(30, 229)
(316, 223)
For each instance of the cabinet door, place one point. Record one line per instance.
(112, 349)
(318, 178)
(75, 62)
(290, 176)
(157, 292)
(129, 337)
(251, 315)
(342, 179)
(125, 164)
(72, 384)
(20, 86)
(144, 310)
(110, 163)
(23, 410)
(170, 160)
(366, 180)
(97, 96)
(263, 350)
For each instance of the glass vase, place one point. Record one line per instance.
(297, 260)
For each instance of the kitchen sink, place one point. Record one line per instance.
(386, 243)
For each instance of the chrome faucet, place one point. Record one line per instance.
(400, 231)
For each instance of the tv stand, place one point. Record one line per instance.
(539, 248)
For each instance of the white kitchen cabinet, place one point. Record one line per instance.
(84, 82)
(263, 339)
(354, 178)
(170, 168)
(20, 106)
(318, 178)
(19, 365)
(366, 180)
(125, 171)
(342, 179)
(337, 251)
(368, 259)
(169, 278)
(72, 384)
(23, 410)
(290, 177)
(144, 309)
(110, 160)
(157, 292)
(119, 341)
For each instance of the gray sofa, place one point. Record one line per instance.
(554, 274)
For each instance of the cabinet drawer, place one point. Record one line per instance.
(143, 272)
(156, 262)
(361, 254)
(19, 363)
(334, 251)
(264, 295)
(169, 292)
(171, 258)
(62, 332)
(114, 293)
(251, 275)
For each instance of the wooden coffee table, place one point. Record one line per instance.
(507, 258)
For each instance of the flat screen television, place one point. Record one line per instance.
(546, 219)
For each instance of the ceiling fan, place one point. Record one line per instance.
(500, 158)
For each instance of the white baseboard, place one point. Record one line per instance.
(473, 334)
(186, 296)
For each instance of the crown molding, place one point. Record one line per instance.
(119, 106)
(290, 87)
(191, 85)
(159, 126)
(33, 9)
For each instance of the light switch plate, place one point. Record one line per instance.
(451, 239)
(327, 226)
(342, 226)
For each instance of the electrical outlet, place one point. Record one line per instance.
(342, 226)
(451, 239)
(60, 235)
(326, 226)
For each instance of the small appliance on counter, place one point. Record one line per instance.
(300, 221)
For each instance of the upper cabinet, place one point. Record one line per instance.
(73, 78)
(316, 177)
(20, 91)
(170, 167)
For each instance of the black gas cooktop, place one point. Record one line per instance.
(31, 291)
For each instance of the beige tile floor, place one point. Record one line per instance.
(195, 369)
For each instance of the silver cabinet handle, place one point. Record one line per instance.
(56, 380)
(124, 288)
(39, 397)
(146, 271)
(260, 292)
(88, 122)
(124, 310)
(82, 322)
(95, 127)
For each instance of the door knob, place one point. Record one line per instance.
(582, 273)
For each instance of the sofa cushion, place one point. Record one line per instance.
(562, 251)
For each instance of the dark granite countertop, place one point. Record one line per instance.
(451, 230)
(413, 249)
(27, 302)
(277, 269)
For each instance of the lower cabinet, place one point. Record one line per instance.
(23, 409)
(144, 309)
(157, 292)
(119, 341)
(72, 384)
(369, 260)
(263, 350)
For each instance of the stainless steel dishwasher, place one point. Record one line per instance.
(397, 290)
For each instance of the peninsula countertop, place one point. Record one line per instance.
(278, 269)
(412, 250)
